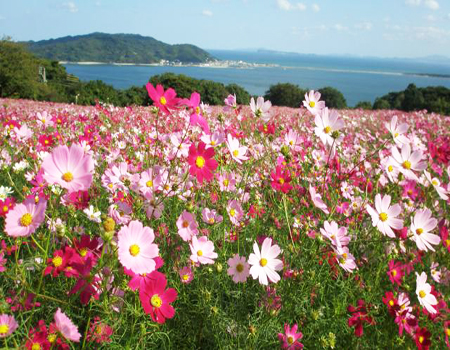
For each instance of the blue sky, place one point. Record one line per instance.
(384, 28)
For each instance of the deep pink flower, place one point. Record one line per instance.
(202, 162)
(291, 339)
(6, 205)
(186, 275)
(196, 117)
(155, 299)
(164, 100)
(359, 317)
(395, 272)
(422, 338)
(68, 167)
(281, 179)
(138, 281)
(99, 332)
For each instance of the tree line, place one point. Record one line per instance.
(21, 76)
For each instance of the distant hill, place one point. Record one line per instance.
(120, 48)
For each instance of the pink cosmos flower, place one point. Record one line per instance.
(24, 133)
(281, 179)
(230, 103)
(216, 139)
(291, 339)
(196, 117)
(423, 291)
(317, 200)
(66, 327)
(227, 182)
(421, 226)
(345, 259)
(407, 162)
(397, 131)
(69, 167)
(137, 251)
(25, 218)
(235, 211)
(155, 299)
(164, 100)
(237, 152)
(8, 324)
(260, 109)
(384, 216)
(202, 250)
(187, 226)
(238, 268)
(337, 235)
(264, 263)
(210, 216)
(442, 192)
(186, 275)
(150, 180)
(312, 102)
(202, 162)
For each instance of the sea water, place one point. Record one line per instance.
(359, 79)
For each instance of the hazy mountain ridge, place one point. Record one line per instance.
(119, 48)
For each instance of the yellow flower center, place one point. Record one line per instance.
(163, 100)
(263, 262)
(200, 162)
(4, 328)
(5, 208)
(149, 183)
(290, 340)
(36, 346)
(383, 217)
(67, 177)
(26, 219)
(434, 182)
(447, 331)
(185, 224)
(312, 104)
(46, 142)
(185, 277)
(391, 302)
(421, 339)
(51, 338)
(327, 130)
(57, 261)
(235, 153)
(226, 182)
(447, 242)
(280, 180)
(232, 212)
(156, 301)
(396, 134)
(419, 231)
(199, 253)
(422, 294)
(394, 273)
(211, 220)
(213, 143)
(390, 168)
(83, 252)
(406, 164)
(197, 110)
(239, 267)
(134, 250)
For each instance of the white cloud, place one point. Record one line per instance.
(364, 26)
(285, 5)
(430, 18)
(70, 6)
(340, 27)
(413, 2)
(432, 4)
(207, 13)
(315, 7)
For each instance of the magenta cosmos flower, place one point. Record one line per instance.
(384, 216)
(163, 99)
(137, 252)
(25, 218)
(202, 250)
(66, 326)
(238, 268)
(202, 162)
(264, 263)
(69, 167)
(155, 299)
(290, 339)
(7, 325)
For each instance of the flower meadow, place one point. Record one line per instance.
(183, 225)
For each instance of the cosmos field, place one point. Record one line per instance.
(183, 225)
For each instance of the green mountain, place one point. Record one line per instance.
(120, 48)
